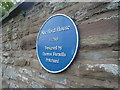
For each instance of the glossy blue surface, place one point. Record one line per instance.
(57, 43)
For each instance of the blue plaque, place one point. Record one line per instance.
(57, 43)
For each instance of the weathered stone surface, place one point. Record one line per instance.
(59, 6)
(105, 39)
(96, 55)
(35, 28)
(60, 86)
(8, 60)
(113, 6)
(29, 42)
(99, 27)
(10, 73)
(93, 9)
(6, 46)
(4, 38)
(23, 79)
(9, 35)
(102, 16)
(15, 45)
(25, 71)
(99, 71)
(24, 54)
(77, 82)
(3, 68)
(14, 36)
(13, 85)
(53, 78)
(5, 54)
(5, 84)
(103, 32)
(21, 62)
(24, 85)
(35, 64)
(112, 68)
(36, 85)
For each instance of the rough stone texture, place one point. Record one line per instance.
(10, 73)
(5, 84)
(96, 62)
(25, 71)
(36, 85)
(13, 85)
(53, 78)
(8, 60)
(6, 46)
(29, 42)
(35, 64)
(20, 63)
(103, 32)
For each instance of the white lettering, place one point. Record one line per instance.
(58, 29)
(52, 60)
(46, 54)
(62, 54)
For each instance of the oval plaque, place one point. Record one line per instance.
(57, 43)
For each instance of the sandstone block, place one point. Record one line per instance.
(103, 32)
(35, 64)
(29, 42)
(53, 78)
(21, 62)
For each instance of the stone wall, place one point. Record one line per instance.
(96, 63)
